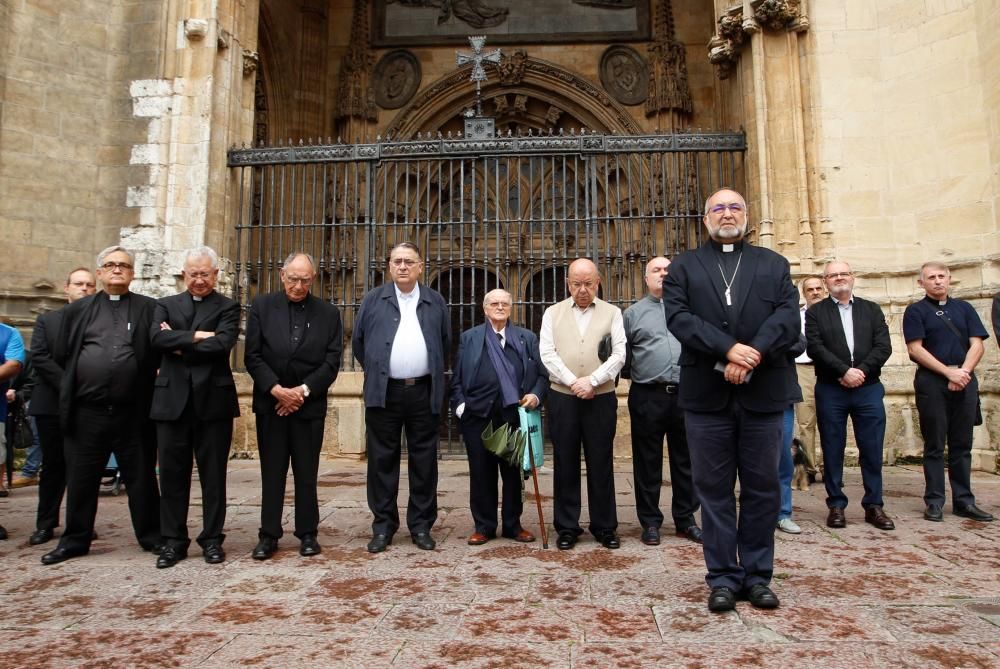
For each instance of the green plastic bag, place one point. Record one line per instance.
(531, 427)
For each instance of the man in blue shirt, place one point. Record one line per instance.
(11, 363)
(944, 336)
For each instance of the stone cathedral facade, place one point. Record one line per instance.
(872, 129)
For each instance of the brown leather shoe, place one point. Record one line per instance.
(524, 536)
(836, 518)
(477, 539)
(874, 515)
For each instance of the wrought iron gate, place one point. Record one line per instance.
(508, 212)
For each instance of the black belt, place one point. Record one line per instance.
(107, 407)
(668, 388)
(415, 381)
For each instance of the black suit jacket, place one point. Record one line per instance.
(76, 318)
(766, 317)
(827, 344)
(46, 374)
(472, 353)
(199, 371)
(271, 359)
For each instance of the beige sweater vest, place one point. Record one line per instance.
(579, 352)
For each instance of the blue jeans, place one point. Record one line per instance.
(834, 404)
(33, 458)
(786, 465)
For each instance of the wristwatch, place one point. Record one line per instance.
(305, 390)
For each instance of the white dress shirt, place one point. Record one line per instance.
(408, 358)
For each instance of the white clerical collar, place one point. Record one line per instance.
(400, 295)
(114, 298)
(196, 298)
(942, 303)
(727, 248)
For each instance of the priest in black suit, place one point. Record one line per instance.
(104, 398)
(194, 403)
(735, 311)
(498, 369)
(294, 344)
(46, 378)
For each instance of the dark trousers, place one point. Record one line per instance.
(407, 408)
(280, 440)
(52, 481)
(654, 413)
(834, 403)
(180, 443)
(946, 417)
(592, 423)
(483, 469)
(98, 432)
(727, 445)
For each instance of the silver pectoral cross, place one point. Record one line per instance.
(729, 298)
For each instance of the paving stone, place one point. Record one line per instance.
(925, 595)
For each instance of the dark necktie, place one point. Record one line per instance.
(500, 337)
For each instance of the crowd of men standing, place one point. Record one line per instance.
(714, 353)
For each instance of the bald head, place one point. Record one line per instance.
(656, 271)
(583, 280)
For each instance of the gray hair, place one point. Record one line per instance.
(203, 252)
(295, 254)
(114, 249)
(486, 297)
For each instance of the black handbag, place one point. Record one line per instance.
(978, 419)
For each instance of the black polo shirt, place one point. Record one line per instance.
(926, 320)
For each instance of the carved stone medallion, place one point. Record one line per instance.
(624, 74)
(397, 78)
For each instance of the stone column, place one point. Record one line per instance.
(202, 105)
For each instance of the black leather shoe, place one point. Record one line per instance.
(836, 518)
(40, 537)
(155, 549)
(974, 512)
(309, 546)
(214, 554)
(168, 557)
(933, 513)
(379, 542)
(424, 541)
(60, 555)
(721, 599)
(874, 515)
(692, 532)
(650, 536)
(762, 597)
(265, 548)
(609, 539)
(566, 541)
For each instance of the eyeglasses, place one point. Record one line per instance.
(735, 207)
(400, 262)
(201, 275)
(839, 275)
(494, 305)
(305, 280)
(110, 266)
(577, 285)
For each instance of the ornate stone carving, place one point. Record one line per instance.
(397, 78)
(733, 28)
(552, 115)
(195, 29)
(250, 61)
(355, 95)
(536, 70)
(668, 79)
(775, 14)
(511, 67)
(624, 74)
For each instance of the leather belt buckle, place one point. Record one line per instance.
(671, 388)
(410, 382)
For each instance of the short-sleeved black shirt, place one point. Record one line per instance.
(921, 321)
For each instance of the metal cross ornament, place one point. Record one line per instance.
(477, 58)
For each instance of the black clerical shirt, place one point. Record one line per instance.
(107, 370)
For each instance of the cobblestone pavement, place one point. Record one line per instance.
(925, 595)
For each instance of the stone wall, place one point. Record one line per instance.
(66, 136)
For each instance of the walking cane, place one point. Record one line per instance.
(538, 503)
